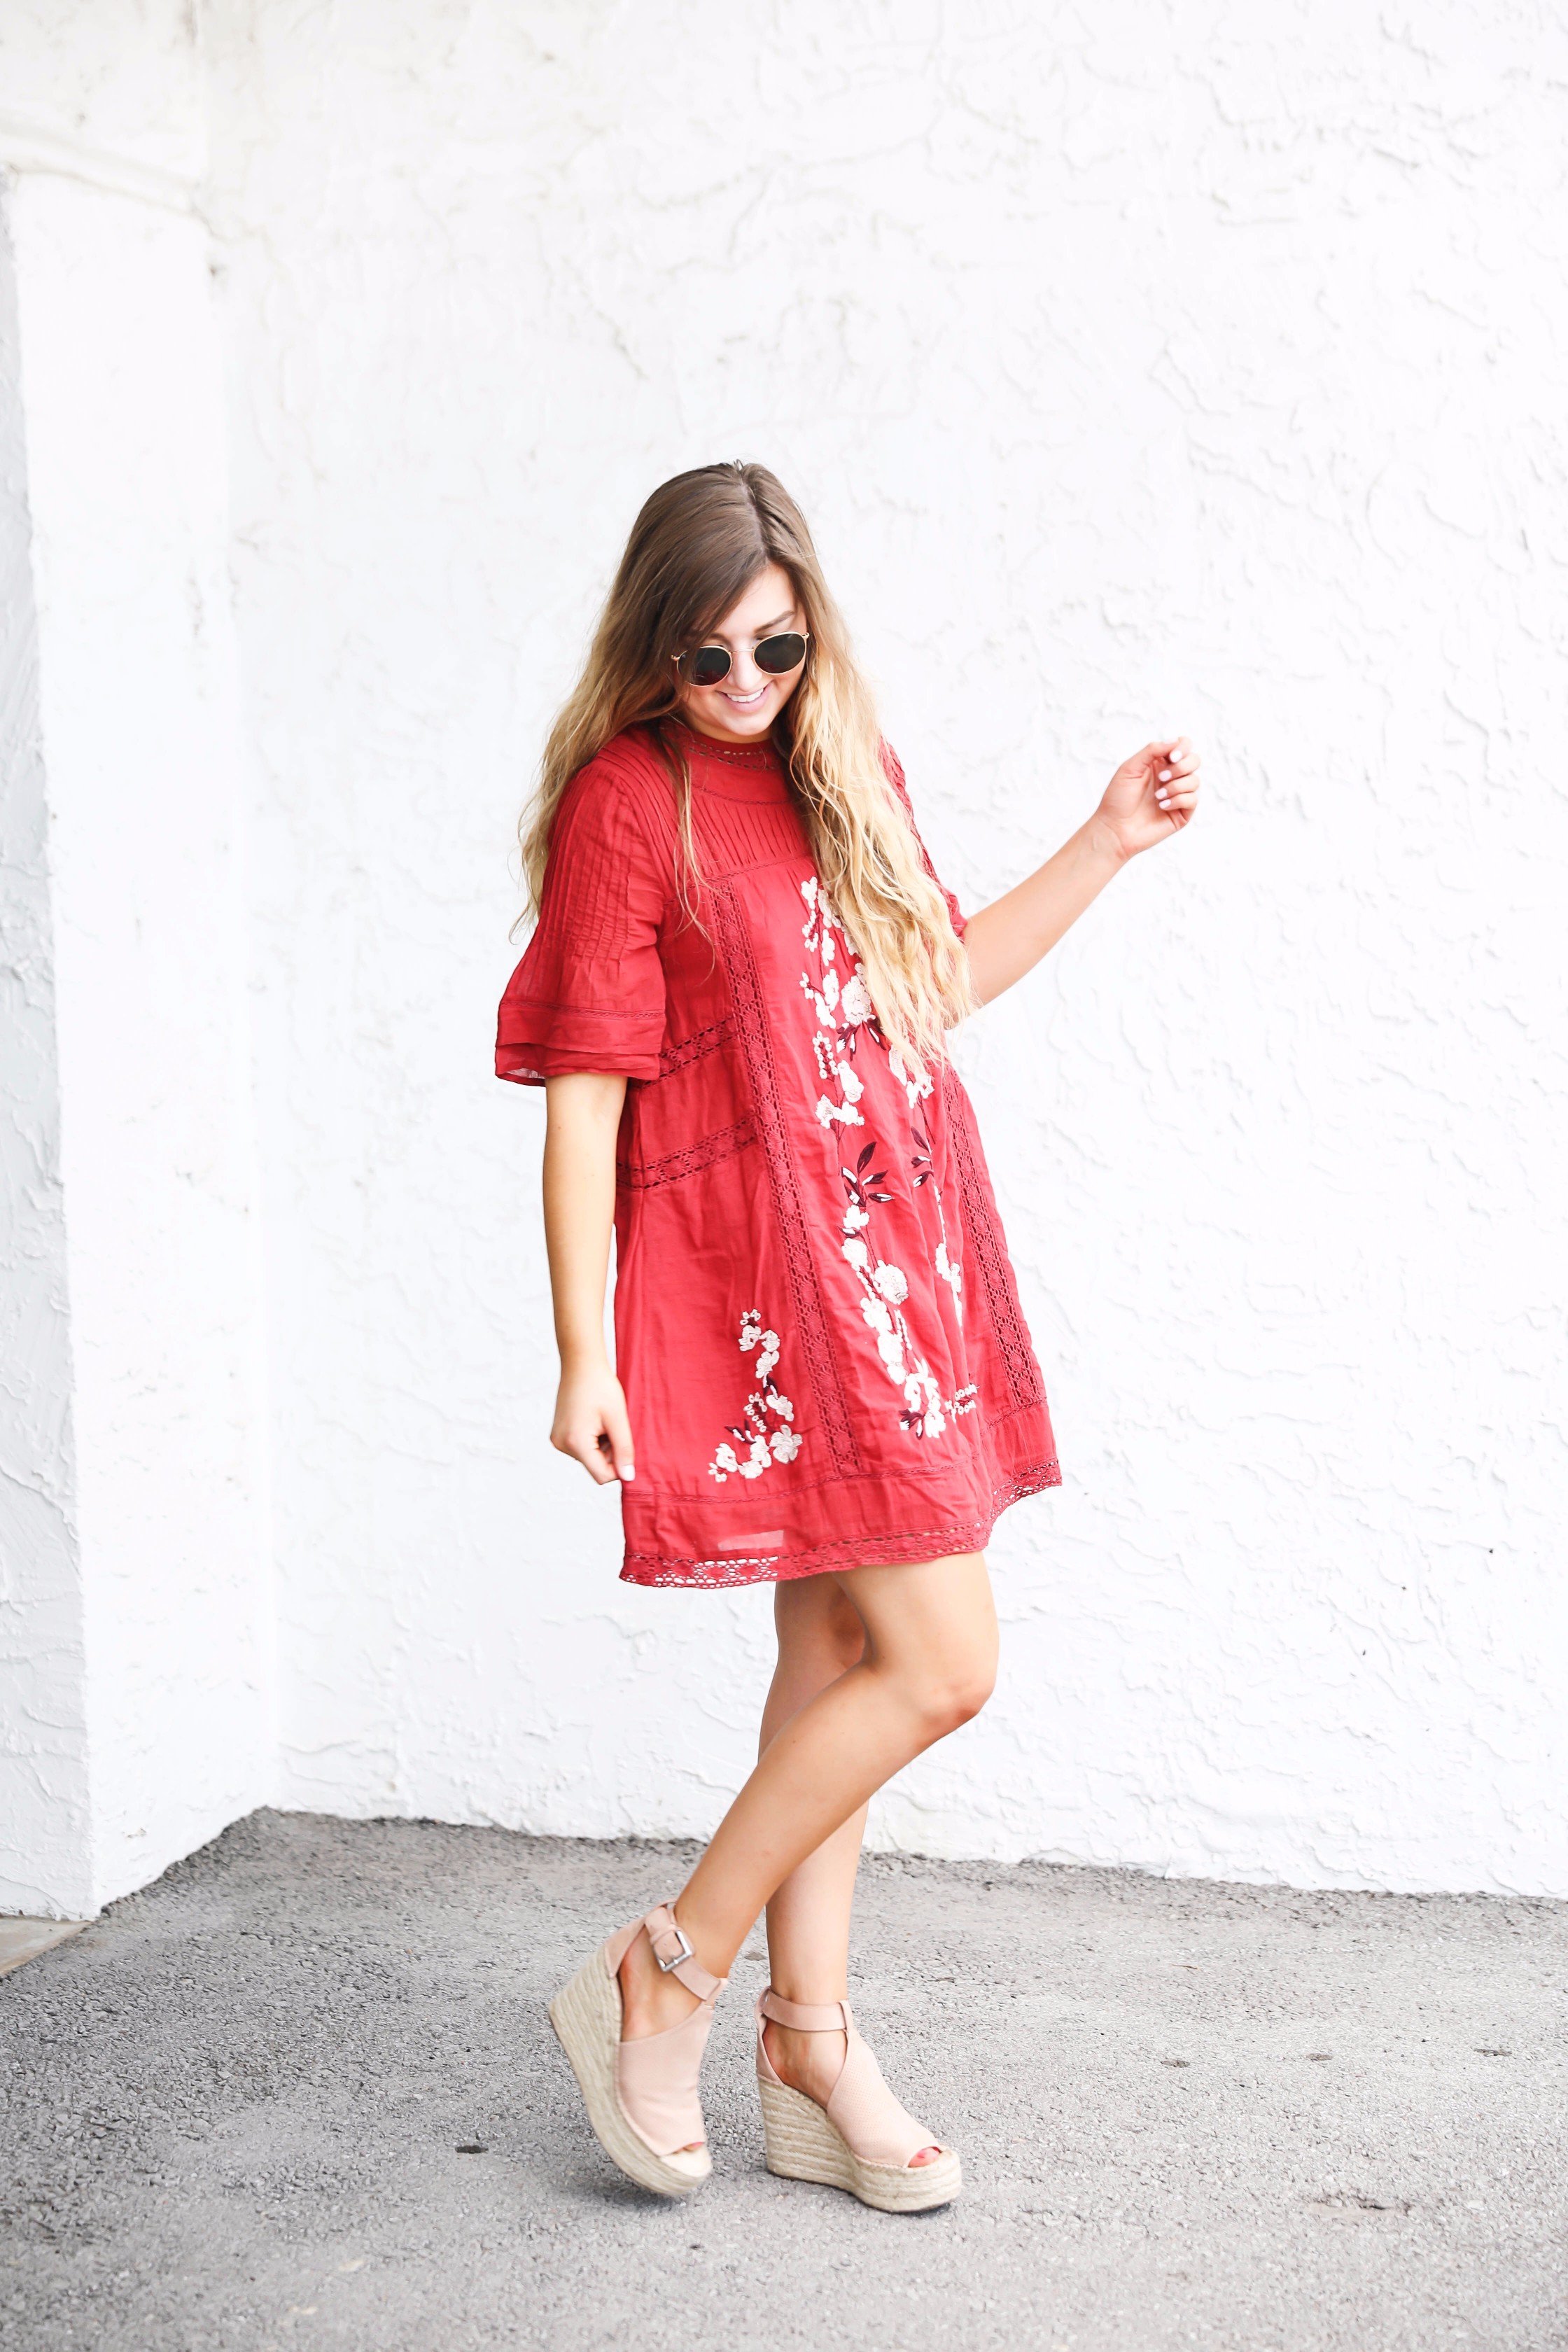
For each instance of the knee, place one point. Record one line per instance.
(953, 1694)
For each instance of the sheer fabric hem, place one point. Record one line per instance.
(900, 1551)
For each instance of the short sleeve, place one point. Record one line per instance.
(896, 778)
(589, 994)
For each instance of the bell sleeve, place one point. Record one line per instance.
(895, 775)
(589, 994)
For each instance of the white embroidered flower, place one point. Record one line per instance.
(883, 1288)
(762, 1444)
(855, 1004)
(915, 1082)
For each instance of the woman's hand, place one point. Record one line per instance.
(1151, 797)
(591, 1422)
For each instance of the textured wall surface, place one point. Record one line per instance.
(45, 1832)
(1159, 365)
(1150, 366)
(145, 946)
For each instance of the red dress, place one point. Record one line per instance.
(817, 1324)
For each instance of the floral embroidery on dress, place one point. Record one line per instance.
(844, 1012)
(764, 1445)
(925, 1173)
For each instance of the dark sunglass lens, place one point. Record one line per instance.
(776, 655)
(707, 666)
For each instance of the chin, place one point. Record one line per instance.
(719, 717)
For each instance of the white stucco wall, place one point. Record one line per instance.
(146, 1598)
(45, 1817)
(1168, 365)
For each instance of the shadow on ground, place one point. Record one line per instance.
(1189, 2113)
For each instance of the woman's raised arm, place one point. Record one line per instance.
(1151, 797)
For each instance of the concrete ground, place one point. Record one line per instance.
(303, 2091)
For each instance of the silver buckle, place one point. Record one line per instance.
(685, 1953)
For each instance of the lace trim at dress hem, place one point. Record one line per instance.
(861, 1551)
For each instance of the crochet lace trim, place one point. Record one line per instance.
(982, 1233)
(721, 1145)
(692, 1048)
(861, 1551)
(735, 755)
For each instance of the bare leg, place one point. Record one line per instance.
(820, 1637)
(926, 1666)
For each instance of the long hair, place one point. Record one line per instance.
(699, 541)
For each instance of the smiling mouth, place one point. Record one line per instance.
(747, 701)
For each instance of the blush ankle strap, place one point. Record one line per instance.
(806, 2017)
(672, 1950)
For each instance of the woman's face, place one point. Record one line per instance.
(742, 707)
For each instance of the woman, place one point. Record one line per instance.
(738, 999)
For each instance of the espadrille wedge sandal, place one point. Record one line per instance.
(862, 2140)
(641, 2095)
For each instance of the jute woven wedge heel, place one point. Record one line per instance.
(863, 2140)
(641, 2096)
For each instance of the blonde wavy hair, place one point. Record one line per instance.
(697, 546)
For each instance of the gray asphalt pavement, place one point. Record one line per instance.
(303, 2091)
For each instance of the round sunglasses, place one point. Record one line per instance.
(707, 665)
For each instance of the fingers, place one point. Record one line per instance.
(615, 1443)
(1176, 779)
(589, 1451)
(604, 1446)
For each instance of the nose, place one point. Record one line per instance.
(744, 676)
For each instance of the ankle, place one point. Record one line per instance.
(652, 2000)
(811, 2062)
